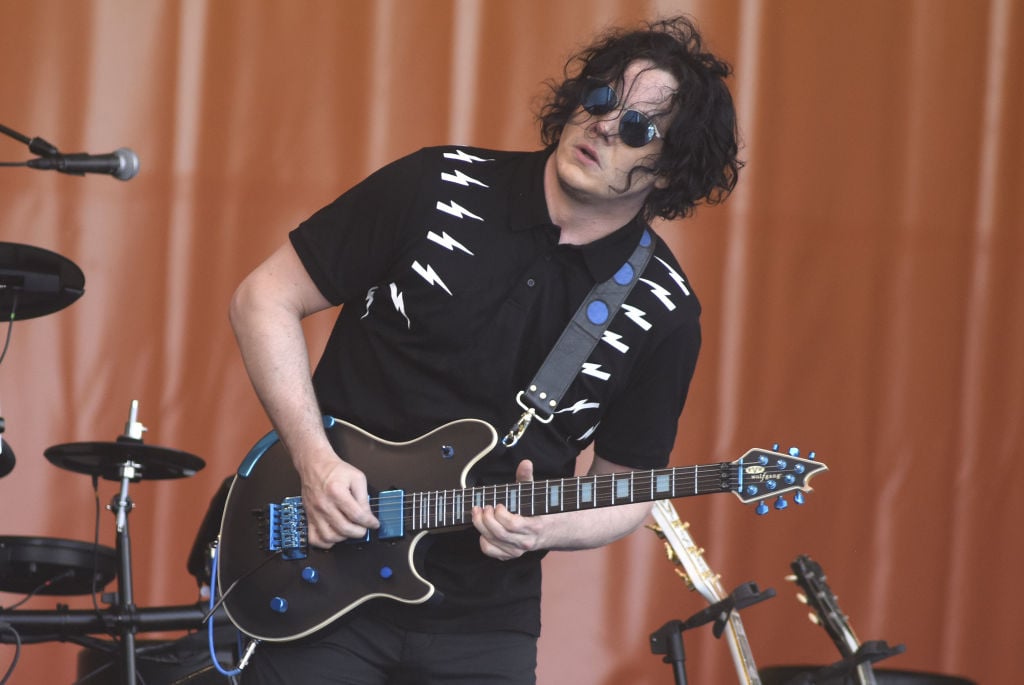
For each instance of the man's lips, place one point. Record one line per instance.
(588, 154)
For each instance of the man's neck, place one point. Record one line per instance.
(581, 221)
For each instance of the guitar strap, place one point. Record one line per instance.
(541, 397)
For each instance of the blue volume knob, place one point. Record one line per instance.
(386, 572)
(310, 575)
(279, 604)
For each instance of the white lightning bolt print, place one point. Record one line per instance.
(594, 370)
(430, 276)
(463, 156)
(461, 179)
(636, 315)
(579, 406)
(399, 302)
(588, 433)
(447, 242)
(369, 300)
(456, 210)
(615, 340)
(662, 294)
(675, 276)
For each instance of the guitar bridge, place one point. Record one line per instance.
(287, 531)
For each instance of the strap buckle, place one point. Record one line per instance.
(517, 430)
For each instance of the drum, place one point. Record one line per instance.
(51, 566)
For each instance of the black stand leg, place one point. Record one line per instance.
(126, 600)
(668, 640)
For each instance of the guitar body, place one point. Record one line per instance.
(275, 598)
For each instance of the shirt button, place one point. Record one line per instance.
(530, 282)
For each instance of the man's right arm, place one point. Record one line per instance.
(266, 314)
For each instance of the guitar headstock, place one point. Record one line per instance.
(764, 474)
(817, 594)
(684, 552)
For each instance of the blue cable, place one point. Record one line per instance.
(209, 623)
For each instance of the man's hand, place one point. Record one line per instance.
(337, 507)
(504, 535)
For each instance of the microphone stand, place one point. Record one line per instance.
(36, 146)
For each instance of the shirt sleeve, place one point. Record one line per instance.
(639, 430)
(354, 242)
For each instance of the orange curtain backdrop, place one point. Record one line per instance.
(862, 290)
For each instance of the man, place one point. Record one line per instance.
(458, 269)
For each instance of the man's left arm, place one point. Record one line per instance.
(504, 535)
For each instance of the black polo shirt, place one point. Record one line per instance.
(455, 289)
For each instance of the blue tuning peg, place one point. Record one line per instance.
(775, 447)
(794, 451)
(798, 497)
(781, 503)
(812, 454)
(761, 509)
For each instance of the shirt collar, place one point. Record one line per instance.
(529, 210)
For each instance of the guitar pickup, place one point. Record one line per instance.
(287, 530)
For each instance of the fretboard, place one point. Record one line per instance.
(444, 508)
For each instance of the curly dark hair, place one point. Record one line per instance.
(699, 155)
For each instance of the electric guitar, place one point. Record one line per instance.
(275, 587)
(817, 594)
(682, 549)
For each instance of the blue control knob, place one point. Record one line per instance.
(311, 575)
(386, 572)
(279, 604)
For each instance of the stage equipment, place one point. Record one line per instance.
(51, 566)
(127, 460)
(122, 164)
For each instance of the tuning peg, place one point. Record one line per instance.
(798, 497)
(814, 619)
(801, 597)
(811, 455)
(781, 503)
(762, 508)
(790, 577)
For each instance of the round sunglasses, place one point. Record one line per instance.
(636, 129)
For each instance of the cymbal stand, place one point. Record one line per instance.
(121, 505)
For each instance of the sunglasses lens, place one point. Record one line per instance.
(599, 99)
(636, 129)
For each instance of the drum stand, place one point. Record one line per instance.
(121, 506)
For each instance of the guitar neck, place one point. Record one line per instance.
(701, 578)
(444, 508)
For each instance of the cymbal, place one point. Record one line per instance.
(35, 282)
(105, 459)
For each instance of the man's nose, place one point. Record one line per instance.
(605, 126)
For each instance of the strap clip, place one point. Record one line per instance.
(517, 430)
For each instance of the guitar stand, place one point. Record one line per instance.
(668, 639)
(842, 670)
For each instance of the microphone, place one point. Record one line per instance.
(122, 163)
(6, 453)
